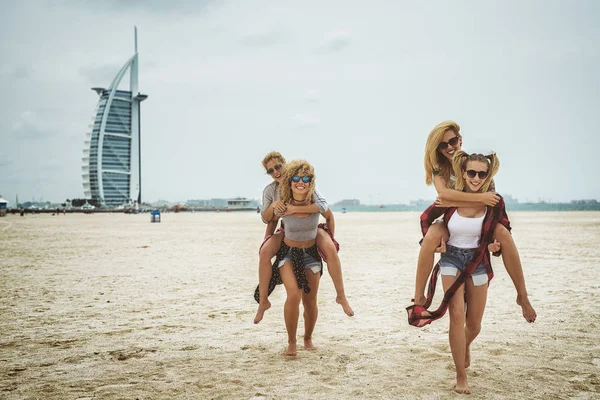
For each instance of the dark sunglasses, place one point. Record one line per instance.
(275, 168)
(305, 179)
(452, 142)
(482, 174)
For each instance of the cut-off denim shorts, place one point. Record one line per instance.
(309, 262)
(455, 259)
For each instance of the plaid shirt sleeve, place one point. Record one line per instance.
(431, 214)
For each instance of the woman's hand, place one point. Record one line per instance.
(279, 207)
(290, 209)
(439, 202)
(490, 198)
(442, 247)
(494, 247)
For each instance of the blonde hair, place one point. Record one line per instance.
(297, 167)
(274, 155)
(459, 164)
(435, 162)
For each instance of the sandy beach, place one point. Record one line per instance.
(115, 307)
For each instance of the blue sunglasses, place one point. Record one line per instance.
(305, 179)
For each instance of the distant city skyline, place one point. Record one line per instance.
(353, 89)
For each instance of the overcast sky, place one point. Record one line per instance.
(353, 87)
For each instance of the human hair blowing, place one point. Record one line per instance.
(300, 168)
(274, 155)
(434, 160)
(459, 165)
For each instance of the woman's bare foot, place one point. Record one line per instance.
(343, 301)
(461, 385)
(291, 350)
(262, 307)
(308, 345)
(528, 312)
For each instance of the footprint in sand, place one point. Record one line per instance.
(497, 352)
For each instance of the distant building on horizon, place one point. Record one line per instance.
(112, 150)
(347, 203)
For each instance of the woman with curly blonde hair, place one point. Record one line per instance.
(443, 142)
(298, 264)
(272, 209)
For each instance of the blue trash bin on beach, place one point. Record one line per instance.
(155, 216)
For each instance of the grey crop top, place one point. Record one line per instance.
(301, 229)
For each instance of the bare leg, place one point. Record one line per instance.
(512, 263)
(291, 309)
(311, 311)
(431, 242)
(456, 308)
(476, 297)
(334, 266)
(266, 253)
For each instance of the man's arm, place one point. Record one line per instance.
(320, 202)
(267, 213)
(319, 206)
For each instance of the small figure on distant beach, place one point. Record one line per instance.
(272, 209)
(465, 265)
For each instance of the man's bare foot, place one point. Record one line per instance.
(262, 307)
(461, 385)
(528, 312)
(291, 350)
(468, 357)
(308, 345)
(343, 301)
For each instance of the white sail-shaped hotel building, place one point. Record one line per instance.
(111, 155)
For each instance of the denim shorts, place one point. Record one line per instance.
(455, 259)
(309, 262)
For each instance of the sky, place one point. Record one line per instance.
(353, 89)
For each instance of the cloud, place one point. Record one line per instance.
(30, 126)
(335, 42)
(17, 72)
(155, 6)
(305, 121)
(21, 72)
(263, 39)
(5, 160)
(311, 96)
(101, 75)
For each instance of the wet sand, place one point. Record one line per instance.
(114, 307)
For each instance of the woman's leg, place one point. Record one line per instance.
(432, 242)
(456, 308)
(334, 266)
(266, 253)
(476, 297)
(311, 312)
(512, 263)
(291, 308)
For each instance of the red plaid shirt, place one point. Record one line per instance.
(420, 315)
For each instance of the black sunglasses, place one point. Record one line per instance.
(452, 142)
(305, 179)
(275, 168)
(482, 174)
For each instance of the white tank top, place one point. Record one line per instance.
(465, 233)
